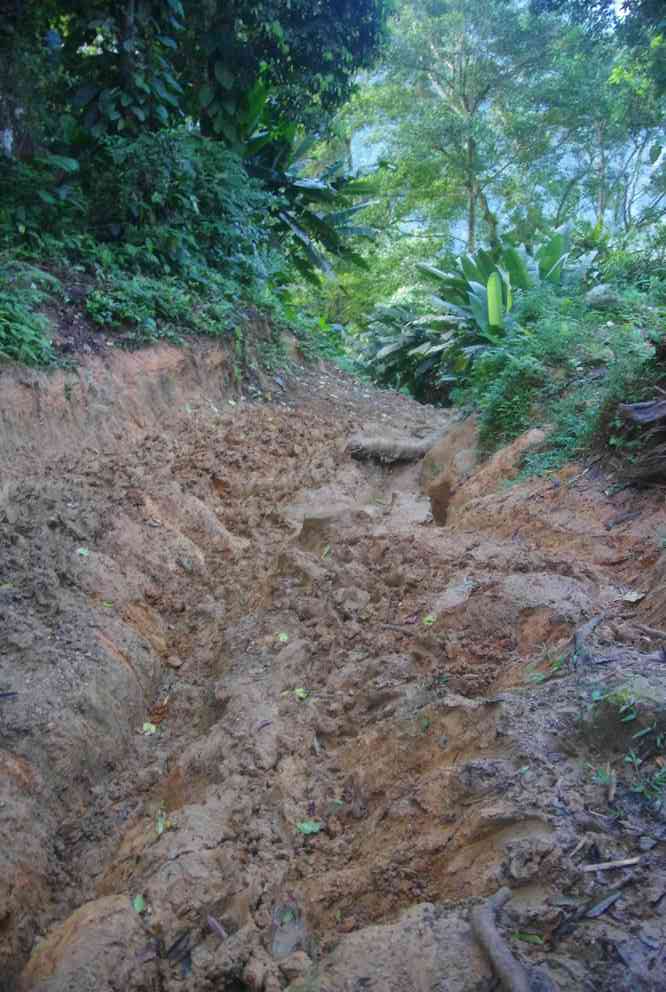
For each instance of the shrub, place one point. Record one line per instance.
(506, 404)
(565, 366)
(173, 200)
(24, 333)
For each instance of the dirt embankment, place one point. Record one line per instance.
(281, 718)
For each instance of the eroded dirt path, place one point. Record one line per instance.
(363, 722)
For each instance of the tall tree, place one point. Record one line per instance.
(457, 98)
(639, 24)
(607, 132)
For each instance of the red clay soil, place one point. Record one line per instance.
(273, 716)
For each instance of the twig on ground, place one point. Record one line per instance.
(650, 631)
(607, 865)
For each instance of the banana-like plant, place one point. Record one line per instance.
(470, 313)
(315, 213)
(482, 286)
(496, 308)
(405, 350)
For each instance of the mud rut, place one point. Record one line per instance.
(347, 753)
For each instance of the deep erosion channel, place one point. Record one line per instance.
(284, 707)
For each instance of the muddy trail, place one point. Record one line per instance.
(283, 703)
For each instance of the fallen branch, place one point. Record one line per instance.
(623, 518)
(650, 631)
(607, 865)
(511, 973)
(644, 413)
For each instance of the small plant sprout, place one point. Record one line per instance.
(162, 822)
(553, 668)
(601, 776)
(308, 827)
(529, 938)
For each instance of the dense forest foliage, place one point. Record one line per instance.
(159, 146)
(464, 198)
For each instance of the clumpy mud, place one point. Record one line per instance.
(284, 715)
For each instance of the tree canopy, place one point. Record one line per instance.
(124, 67)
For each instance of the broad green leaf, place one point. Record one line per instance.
(161, 90)
(495, 304)
(224, 76)
(529, 938)
(139, 904)
(140, 82)
(485, 263)
(479, 307)
(516, 267)
(206, 95)
(62, 162)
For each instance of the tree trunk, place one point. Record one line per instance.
(126, 39)
(569, 188)
(492, 222)
(602, 192)
(472, 196)
(471, 220)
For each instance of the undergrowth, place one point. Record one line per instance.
(169, 235)
(565, 367)
(24, 332)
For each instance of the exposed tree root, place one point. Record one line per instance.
(511, 973)
(513, 976)
(389, 450)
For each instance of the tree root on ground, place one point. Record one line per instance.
(388, 450)
(513, 976)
